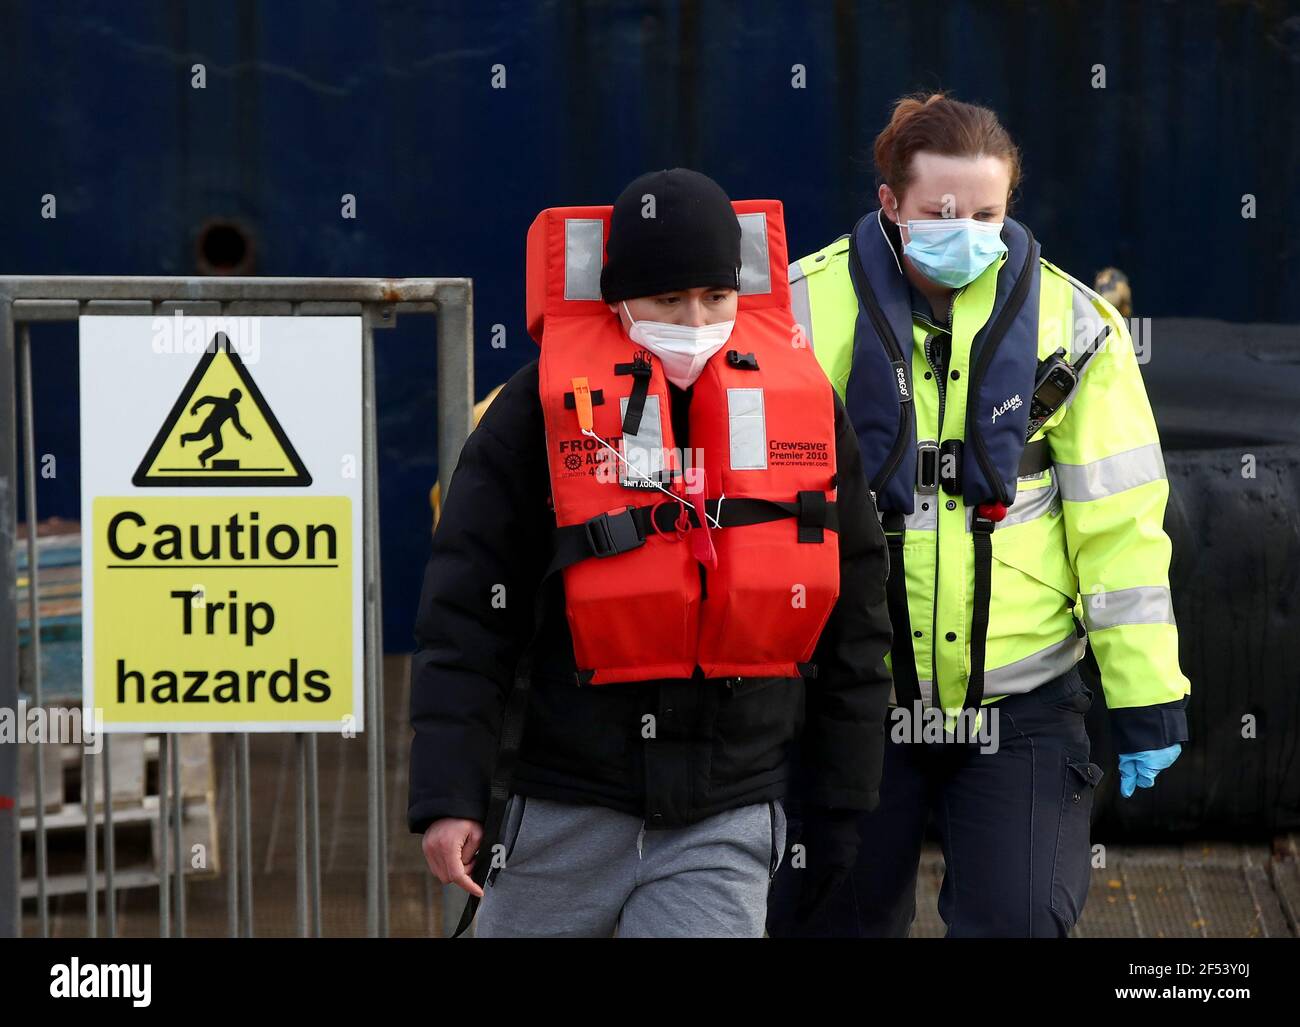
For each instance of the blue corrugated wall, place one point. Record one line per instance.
(393, 102)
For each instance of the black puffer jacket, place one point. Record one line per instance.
(718, 744)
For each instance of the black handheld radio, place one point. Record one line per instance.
(1054, 380)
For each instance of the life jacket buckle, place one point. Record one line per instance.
(747, 361)
(927, 467)
(614, 532)
(950, 466)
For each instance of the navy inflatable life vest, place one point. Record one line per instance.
(1004, 358)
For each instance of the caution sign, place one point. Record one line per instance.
(233, 437)
(221, 524)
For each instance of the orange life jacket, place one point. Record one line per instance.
(652, 589)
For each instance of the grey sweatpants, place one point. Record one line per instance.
(589, 872)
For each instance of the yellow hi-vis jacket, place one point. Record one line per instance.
(1083, 538)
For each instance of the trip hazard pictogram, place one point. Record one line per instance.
(221, 431)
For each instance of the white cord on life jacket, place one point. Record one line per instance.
(642, 474)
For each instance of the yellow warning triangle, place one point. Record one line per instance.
(221, 432)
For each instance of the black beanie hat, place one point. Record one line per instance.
(670, 230)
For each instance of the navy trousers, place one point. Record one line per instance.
(1013, 825)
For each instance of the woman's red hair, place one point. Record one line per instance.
(936, 124)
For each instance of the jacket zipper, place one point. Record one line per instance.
(940, 371)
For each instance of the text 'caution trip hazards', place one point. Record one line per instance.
(221, 520)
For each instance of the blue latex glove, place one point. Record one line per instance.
(1139, 769)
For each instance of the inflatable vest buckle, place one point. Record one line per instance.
(614, 532)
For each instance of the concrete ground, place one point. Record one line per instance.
(1208, 889)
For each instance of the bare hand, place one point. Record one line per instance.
(450, 846)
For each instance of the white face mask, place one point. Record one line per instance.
(683, 349)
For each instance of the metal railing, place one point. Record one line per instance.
(28, 300)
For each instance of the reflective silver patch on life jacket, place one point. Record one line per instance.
(584, 239)
(747, 422)
(755, 267)
(644, 451)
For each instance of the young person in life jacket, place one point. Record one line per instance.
(657, 568)
(1017, 468)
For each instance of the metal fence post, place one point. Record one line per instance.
(10, 853)
(164, 892)
(34, 614)
(230, 858)
(245, 805)
(300, 833)
(178, 816)
(313, 835)
(110, 853)
(88, 805)
(455, 380)
(455, 422)
(377, 822)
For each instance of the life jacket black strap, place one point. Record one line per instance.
(982, 532)
(597, 398)
(902, 658)
(609, 534)
(640, 371)
(812, 516)
(1035, 458)
(606, 534)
